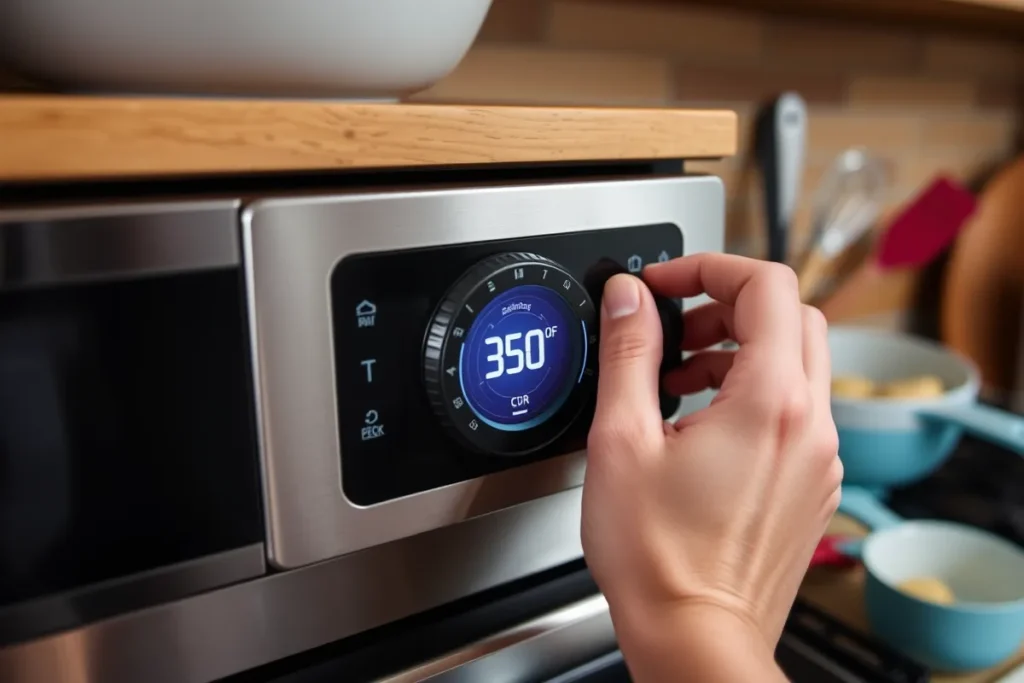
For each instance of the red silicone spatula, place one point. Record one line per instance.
(914, 239)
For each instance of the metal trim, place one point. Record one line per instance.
(52, 613)
(542, 647)
(233, 629)
(83, 243)
(290, 247)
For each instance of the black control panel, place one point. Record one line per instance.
(459, 361)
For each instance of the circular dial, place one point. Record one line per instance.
(510, 354)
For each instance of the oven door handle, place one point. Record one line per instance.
(536, 649)
(54, 246)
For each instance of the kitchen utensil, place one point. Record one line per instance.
(983, 287)
(342, 48)
(834, 550)
(781, 141)
(886, 442)
(983, 627)
(846, 206)
(919, 233)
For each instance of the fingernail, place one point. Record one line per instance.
(621, 296)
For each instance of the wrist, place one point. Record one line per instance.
(699, 641)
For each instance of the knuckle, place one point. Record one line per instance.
(624, 347)
(781, 275)
(827, 441)
(814, 320)
(834, 477)
(794, 405)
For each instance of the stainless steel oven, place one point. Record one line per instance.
(240, 431)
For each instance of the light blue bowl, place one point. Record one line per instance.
(892, 442)
(986, 574)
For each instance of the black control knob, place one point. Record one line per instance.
(510, 357)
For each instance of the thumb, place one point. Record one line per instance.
(630, 356)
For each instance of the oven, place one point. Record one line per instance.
(249, 435)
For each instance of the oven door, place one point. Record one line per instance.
(128, 468)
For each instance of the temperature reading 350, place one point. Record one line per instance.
(523, 352)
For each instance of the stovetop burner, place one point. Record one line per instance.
(981, 485)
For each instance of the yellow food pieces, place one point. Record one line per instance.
(853, 387)
(929, 589)
(921, 386)
(915, 387)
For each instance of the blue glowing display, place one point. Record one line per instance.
(521, 358)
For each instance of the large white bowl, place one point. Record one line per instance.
(351, 49)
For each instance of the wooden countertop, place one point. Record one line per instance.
(840, 593)
(45, 137)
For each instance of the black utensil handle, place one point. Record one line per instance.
(780, 140)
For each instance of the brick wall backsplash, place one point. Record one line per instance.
(928, 103)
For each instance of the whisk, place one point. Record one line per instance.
(847, 204)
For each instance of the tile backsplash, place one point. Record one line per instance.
(927, 103)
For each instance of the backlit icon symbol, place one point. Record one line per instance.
(366, 314)
(634, 264)
(663, 256)
(372, 430)
(368, 364)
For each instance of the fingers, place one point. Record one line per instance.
(704, 370)
(706, 326)
(817, 360)
(767, 317)
(630, 355)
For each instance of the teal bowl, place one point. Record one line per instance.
(986, 574)
(982, 628)
(885, 442)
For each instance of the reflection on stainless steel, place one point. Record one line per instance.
(818, 659)
(531, 651)
(50, 614)
(291, 246)
(53, 246)
(232, 629)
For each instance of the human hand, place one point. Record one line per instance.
(723, 509)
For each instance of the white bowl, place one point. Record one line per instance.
(884, 356)
(348, 49)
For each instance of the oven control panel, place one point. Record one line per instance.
(458, 361)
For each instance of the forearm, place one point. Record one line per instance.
(695, 643)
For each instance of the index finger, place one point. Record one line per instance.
(764, 295)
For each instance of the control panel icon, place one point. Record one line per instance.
(634, 264)
(372, 428)
(366, 313)
(368, 364)
(663, 256)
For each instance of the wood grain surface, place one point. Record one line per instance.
(66, 137)
(983, 292)
(840, 592)
(992, 17)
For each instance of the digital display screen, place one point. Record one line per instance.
(522, 356)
